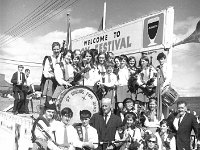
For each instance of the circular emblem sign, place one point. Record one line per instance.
(78, 98)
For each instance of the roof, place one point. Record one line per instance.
(4, 85)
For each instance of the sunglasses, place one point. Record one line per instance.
(150, 141)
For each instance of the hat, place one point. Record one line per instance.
(49, 105)
(127, 100)
(20, 66)
(85, 114)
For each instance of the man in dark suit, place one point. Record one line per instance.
(106, 123)
(18, 80)
(184, 123)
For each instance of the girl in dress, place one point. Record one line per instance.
(101, 61)
(166, 139)
(122, 88)
(117, 66)
(92, 76)
(147, 77)
(151, 121)
(76, 63)
(132, 65)
(129, 134)
(133, 73)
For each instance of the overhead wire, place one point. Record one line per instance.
(18, 64)
(32, 18)
(20, 61)
(75, 1)
(29, 21)
(14, 27)
(60, 5)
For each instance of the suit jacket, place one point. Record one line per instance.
(14, 80)
(106, 132)
(183, 133)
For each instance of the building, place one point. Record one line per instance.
(5, 87)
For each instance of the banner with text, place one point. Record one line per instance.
(147, 33)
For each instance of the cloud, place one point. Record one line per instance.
(189, 91)
(188, 51)
(83, 32)
(187, 26)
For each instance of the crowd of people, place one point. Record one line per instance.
(107, 131)
(122, 122)
(115, 77)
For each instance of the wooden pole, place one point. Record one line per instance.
(159, 98)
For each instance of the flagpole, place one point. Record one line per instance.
(104, 16)
(68, 42)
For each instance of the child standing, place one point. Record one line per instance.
(129, 134)
(109, 82)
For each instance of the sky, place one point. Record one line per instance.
(32, 43)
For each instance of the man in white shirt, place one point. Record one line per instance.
(184, 123)
(18, 80)
(86, 132)
(29, 89)
(64, 134)
(106, 123)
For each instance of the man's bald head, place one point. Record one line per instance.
(106, 100)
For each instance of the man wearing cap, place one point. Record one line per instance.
(87, 133)
(18, 80)
(65, 135)
(106, 123)
(43, 123)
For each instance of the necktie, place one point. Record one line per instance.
(20, 76)
(179, 121)
(109, 79)
(65, 137)
(86, 134)
(105, 118)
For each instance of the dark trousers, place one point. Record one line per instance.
(19, 102)
(26, 102)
